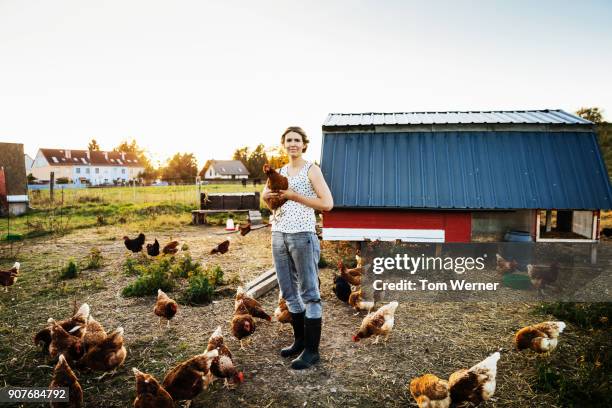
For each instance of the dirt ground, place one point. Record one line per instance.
(428, 338)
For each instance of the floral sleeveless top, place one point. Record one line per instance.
(293, 216)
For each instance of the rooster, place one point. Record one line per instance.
(9, 277)
(276, 182)
(63, 377)
(107, 355)
(430, 391)
(165, 307)
(282, 313)
(75, 326)
(543, 275)
(252, 305)
(221, 248)
(244, 229)
(153, 249)
(186, 380)
(242, 323)
(541, 337)
(149, 393)
(357, 302)
(504, 266)
(170, 248)
(342, 289)
(352, 276)
(222, 366)
(134, 245)
(476, 384)
(378, 323)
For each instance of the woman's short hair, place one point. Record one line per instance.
(299, 131)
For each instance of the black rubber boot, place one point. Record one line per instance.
(297, 322)
(312, 337)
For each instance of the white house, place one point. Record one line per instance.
(28, 162)
(84, 166)
(224, 169)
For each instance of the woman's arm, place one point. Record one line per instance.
(324, 200)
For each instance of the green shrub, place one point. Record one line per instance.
(156, 276)
(136, 266)
(70, 271)
(185, 267)
(185, 247)
(585, 315)
(94, 260)
(202, 285)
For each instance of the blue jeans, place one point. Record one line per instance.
(296, 259)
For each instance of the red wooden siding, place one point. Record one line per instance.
(456, 224)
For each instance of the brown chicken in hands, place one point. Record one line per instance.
(149, 393)
(107, 355)
(430, 391)
(186, 380)
(378, 323)
(221, 248)
(282, 314)
(476, 384)
(63, 376)
(74, 326)
(275, 183)
(222, 366)
(541, 337)
(504, 266)
(242, 323)
(357, 302)
(253, 306)
(352, 276)
(165, 307)
(62, 342)
(9, 277)
(170, 248)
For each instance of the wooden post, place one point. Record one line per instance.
(51, 183)
(593, 254)
(548, 220)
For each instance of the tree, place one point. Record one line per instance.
(594, 114)
(278, 157)
(93, 146)
(181, 168)
(256, 160)
(31, 178)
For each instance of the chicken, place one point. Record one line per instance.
(543, 275)
(222, 366)
(504, 266)
(170, 248)
(165, 307)
(358, 258)
(107, 355)
(134, 245)
(149, 393)
(153, 249)
(186, 380)
(430, 391)
(94, 333)
(378, 323)
(282, 314)
(242, 323)
(476, 384)
(9, 277)
(74, 326)
(221, 248)
(62, 342)
(275, 183)
(357, 302)
(63, 377)
(244, 229)
(352, 276)
(541, 337)
(342, 288)
(252, 305)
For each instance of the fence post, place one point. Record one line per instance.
(51, 184)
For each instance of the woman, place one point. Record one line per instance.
(295, 247)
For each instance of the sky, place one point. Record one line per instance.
(208, 77)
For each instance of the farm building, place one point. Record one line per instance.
(463, 176)
(224, 169)
(13, 180)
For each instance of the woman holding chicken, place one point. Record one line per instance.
(295, 246)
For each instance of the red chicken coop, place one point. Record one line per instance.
(464, 177)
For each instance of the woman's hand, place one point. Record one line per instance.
(288, 194)
(267, 194)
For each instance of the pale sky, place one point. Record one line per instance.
(210, 76)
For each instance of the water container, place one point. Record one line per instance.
(519, 248)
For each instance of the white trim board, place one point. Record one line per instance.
(17, 198)
(360, 234)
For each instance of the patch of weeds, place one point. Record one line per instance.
(135, 266)
(100, 220)
(185, 247)
(585, 315)
(155, 276)
(186, 267)
(122, 220)
(94, 260)
(202, 286)
(70, 271)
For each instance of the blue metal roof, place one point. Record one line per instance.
(552, 117)
(466, 170)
